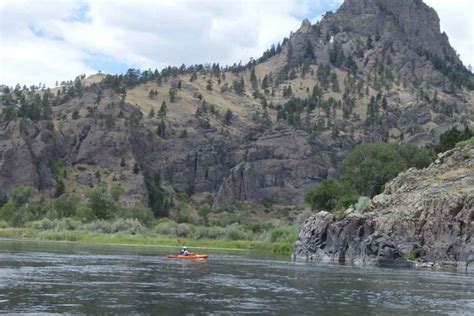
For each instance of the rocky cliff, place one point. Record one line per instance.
(427, 215)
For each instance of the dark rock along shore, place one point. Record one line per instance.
(425, 214)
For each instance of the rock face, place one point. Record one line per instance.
(427, 214)
(404, 35)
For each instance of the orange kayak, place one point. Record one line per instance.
(188, 257)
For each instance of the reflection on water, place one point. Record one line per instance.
(73, 278)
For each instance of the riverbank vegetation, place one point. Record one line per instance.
(365, 171)
(100, 217)
(368, 167)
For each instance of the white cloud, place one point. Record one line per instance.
(457, 21)
(53, 40)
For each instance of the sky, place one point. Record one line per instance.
(54, 40)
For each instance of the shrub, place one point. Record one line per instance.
(213, 232)
(364, 204)
(450, 138)
(66, 224)
(303, 216)
(101, 202)
(138, 212)
(130, 226)
(85, 213)
(3, 224)
(184, 230)
(332, 195)
(234, 232)
(44, 224)
(98, 226)
(285, 234)
(166, 227)
(467, 142)
(370, 166)
(64, 206)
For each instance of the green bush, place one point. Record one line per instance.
(284, 234)
(129, 226)
(166, 227)
(364, 204)
(467, 142)
(3, 224)
(302, 217)
(184, 230)
(369, 167)
(67, 224)
(450, 138)
(234, 232)
(64, 206)
(214, 232)
(98, 226)
(44, 224)
(138, 212)
(101, 203)
(332, 195)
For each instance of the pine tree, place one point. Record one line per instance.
(209, 85)
(369, 42)
(228, 117)
(172, 93)
(163, 110)
(151, 114)
(265, 83)
(335, 82)
(253, 79)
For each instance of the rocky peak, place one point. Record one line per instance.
(403, 34)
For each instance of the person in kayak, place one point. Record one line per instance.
(184, 251)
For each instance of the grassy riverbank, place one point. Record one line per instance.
(147, 239)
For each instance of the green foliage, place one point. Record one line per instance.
(228, 117)
(365, 171)
(468, 142)
(159, 200)
(239, 86)
(369, 166)
(288, 234)
(3, 224)
(363, 204)
(332, 195)
(234, 232)
(101, 202)
(450, 138)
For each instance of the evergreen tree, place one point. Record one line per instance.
(369, 42)
(172, 93)
(265, 83)
(151, 114)
(335, 82)
(163, 110)
(209, 85)
(228, 117)
(253, 79)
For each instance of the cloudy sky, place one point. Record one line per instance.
(49, 40)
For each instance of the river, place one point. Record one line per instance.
(55, 277)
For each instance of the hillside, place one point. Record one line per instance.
(261, 133)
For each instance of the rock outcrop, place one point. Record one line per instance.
(425, 214)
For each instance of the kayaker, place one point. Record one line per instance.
(184, 251)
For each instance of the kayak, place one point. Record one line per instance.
(188, 257)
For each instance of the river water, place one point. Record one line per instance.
(50, 277)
